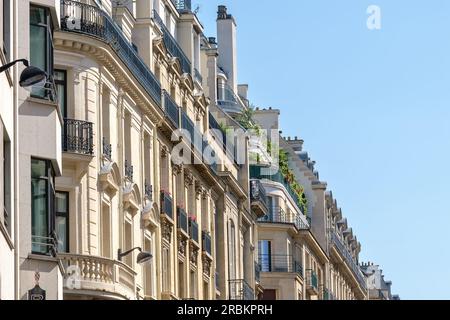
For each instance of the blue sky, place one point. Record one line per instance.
(374, 110)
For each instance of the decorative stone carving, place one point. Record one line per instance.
(166, 230)
(188, 178)
(193, 253)
(181, 245)
(206, 265)
(177, 168)
(199, 191)
(164, 151)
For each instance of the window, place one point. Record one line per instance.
(42, 206)
(148, 270)
(165, 269)
(6, 182)
(60, 77)
(232, 250)
(62, 220)
(265, 255)
(5, 27)
(41, 42)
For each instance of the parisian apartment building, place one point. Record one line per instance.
(136, 168)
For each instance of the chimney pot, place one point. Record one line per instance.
(222, 12)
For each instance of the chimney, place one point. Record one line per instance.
(296, 144)
(243, 91)
(226, 41)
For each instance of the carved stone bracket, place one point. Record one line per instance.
(166, 230)
(188, 178)
(193, 254)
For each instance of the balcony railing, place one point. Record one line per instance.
(77, 137)
(217, 131)
(258, 193)
(255, 173)
(193, 230)
(107, 149)
(182, 220)
(206, 242)
(280, 263)
(87, 272)
(227, 99)
(311, 279)
(278, 215)
(83, 18)
(166, 204)
(172, 45)
(348, 258)
(44, 245)
(171, 109)
(240, 290)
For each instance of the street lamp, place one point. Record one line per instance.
(30, 75)
(142, 257)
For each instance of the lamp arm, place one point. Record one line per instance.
(123, 254)
(10, 64)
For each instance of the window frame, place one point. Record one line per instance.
(66, 215)
(59, 82)
(49, 47)
(49, 178)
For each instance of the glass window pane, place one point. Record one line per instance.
(38, 168)
(61, 202)
(38, 42)
(60, 80)
(39, 228)
(37, 15)
(61, 233)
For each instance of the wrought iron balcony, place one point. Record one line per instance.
(166, 204)
(193, 230)
(171, 109)
(182, 220)
(79, 17)
(220, 135)
(239, 289)
(280, 263)
(172, 45)
(255, 173)
(148, 190)
(128, 171)
(348, 258)
(187, 124)
(77, 137)
(258, 197)
(311, 280)
(278, 215)
(98, 274)
(206, 242)
(107, 149)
